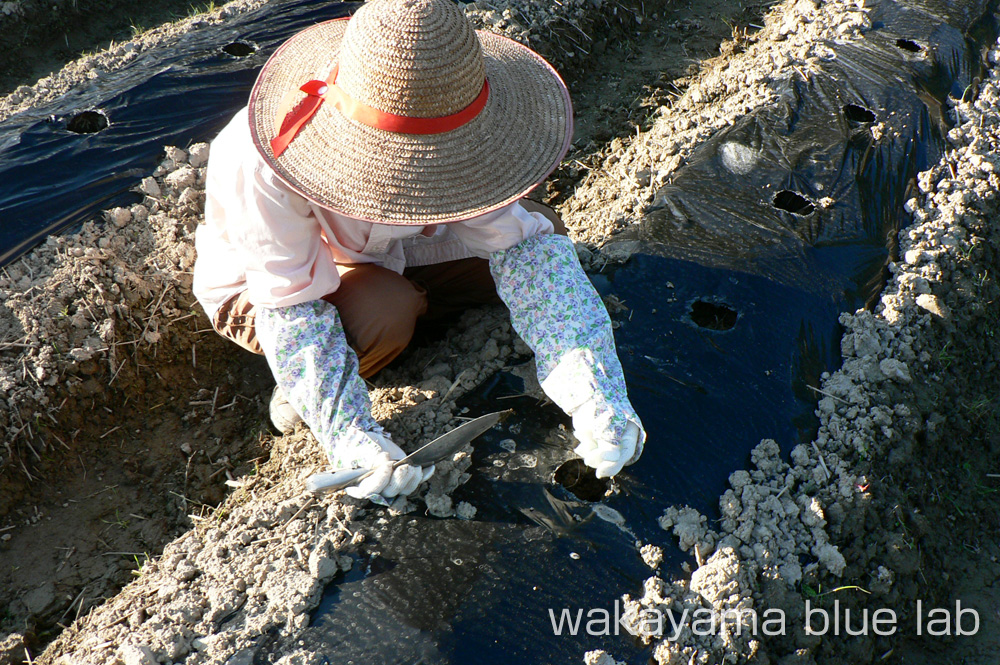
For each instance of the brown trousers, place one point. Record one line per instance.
(382, 310)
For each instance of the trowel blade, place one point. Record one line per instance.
(435, 451)
(453, 441)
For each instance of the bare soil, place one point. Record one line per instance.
(107, 466)
(38, 37)
(115, 451)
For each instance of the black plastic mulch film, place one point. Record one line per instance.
(773, 227)
(62, 163)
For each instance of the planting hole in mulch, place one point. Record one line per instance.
(794, 203)
(855, 113)
(675, 389)
(713, 315)
(579, 479)
(88, 122)
(909, 45)
(240, 49)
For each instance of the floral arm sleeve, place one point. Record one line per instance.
(308, 353)
(560, 316)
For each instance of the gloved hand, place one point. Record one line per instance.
(591, 389)
(387, 483)
(608, 441)
(308, 353)
(555, 309)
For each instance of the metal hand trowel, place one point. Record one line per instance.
(435, 451)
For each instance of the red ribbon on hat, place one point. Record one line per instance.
(318, 91)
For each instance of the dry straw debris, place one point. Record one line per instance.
(84, 317)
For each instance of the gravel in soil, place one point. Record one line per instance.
(896, 499)
(101, 338)
(38, 37)
(129, 421)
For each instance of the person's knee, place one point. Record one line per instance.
(379, 311)
(393, 327)
(388, 334)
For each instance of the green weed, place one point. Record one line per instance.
(194, 10)
(119, 521)
(140, 563)
(809, 592)
(944, 356)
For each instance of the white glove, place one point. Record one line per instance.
(592, 392)
(386, 483)
(555, 309)
(307, 350)
(607, 442)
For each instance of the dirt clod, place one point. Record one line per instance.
(115, 392)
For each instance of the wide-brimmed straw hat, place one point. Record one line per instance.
(406, 115)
